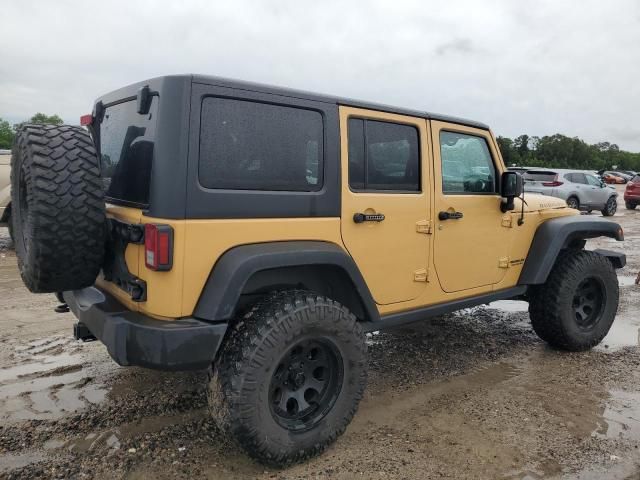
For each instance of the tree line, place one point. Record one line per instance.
(560, 151)
(8, 131)
(552, 151)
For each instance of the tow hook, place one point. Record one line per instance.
(82, 332)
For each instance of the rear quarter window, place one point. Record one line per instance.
(126, 152)
(246, 145)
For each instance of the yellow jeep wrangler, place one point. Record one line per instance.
(259, 232)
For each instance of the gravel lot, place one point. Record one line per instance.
(469, 395)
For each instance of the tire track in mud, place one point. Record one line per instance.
(48, 379)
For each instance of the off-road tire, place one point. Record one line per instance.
(630, 205)
(57, 208)
(240, 380)
(573, 201)
(551, 306)
(610, 208)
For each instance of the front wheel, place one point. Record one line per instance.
(610, 208)
(290, 377)
(630, 205)
(576, 306)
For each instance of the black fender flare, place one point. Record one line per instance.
(562, 232)
(237, 265)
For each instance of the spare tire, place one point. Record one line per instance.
(58, 210)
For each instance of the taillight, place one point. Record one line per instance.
(158, 247)
(86, 120)
(554, 183)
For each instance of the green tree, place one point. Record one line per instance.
(41, 118)
(6, 134)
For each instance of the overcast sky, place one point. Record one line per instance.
(523, 67)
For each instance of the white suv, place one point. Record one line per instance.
(581, 190)
(5, 186)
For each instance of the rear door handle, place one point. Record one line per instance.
(364, 217)
(450, 215)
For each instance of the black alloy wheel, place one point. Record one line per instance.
(306, 384)
(588, 303)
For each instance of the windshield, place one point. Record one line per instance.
(126, 152)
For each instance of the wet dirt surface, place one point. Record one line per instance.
(469, 395)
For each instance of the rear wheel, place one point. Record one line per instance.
(610, 208)
(57, 208)
(575, 308)
(630, 205)
(573, 202)
(290, 377)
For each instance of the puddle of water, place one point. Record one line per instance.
(46, 386)
(510, 305)
(44, 364)
(10, 461)
(624, 332)
(626, 280)
(621, 417)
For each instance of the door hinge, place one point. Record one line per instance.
(507, 221)
(503, 262)
(421, 275)
(424, 226)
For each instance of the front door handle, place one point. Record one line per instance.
(450, 215)
(364, 217)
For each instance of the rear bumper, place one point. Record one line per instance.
(631, 197)
(135, 339)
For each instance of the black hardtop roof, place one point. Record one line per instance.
(318, 97)
(286, 92)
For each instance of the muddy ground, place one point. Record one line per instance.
(469, 395)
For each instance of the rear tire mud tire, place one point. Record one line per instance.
(551, 306)
(240, 383)
(57, 208)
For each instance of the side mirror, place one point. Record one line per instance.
(511, 186)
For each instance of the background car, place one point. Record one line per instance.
(582, 191)
(632, 193)
(625, 178)
(612, 179)
(5, 187)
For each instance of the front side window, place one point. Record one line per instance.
(257, 146)
(383, 156)
(467, 166)
(594, 181)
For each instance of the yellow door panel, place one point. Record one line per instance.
(471, 241)
(392, 253)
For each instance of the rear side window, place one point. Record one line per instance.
(576, 178)
(467, 166)
(257, 146)
(383, 156)
(126, 152)
(533, 176)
